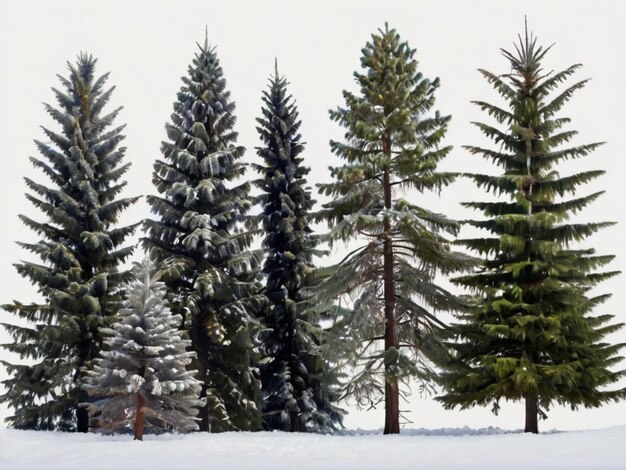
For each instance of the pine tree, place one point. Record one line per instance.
(529, 332)
(392, 145)
(80, 251)
(200, 221)
(296, 393)
(140, 376)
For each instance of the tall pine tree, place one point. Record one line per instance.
(392, 146)
(140, 379)
(80, 251)
(529, 333)
(298, 392)
(200, 221)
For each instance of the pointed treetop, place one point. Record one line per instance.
(83, 67)
(206, 37)
(529, 55)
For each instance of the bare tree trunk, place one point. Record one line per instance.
(82, 419)
(392, 396)
(139, 418)
(532, 412)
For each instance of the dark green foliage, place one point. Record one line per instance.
(529, 332)
(200, 218)
(391, 150)
(80, 251)
(296, 390)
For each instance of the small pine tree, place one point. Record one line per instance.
(296, 394)
(392, 144)
(200, 221)
(141, 376)
(529, 332)
(80, 251)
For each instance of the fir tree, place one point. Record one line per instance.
(392, 145)
(80, 251)
(141, 376)
(529, 332)
(297, 394)
(200, 221)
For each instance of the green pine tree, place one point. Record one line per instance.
(200, 221)
(529, 332)
(391, 150)
(80, 251)
(295, 378)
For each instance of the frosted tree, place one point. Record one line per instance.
(201, 214)
(80, 251)
(298, 388)
(141, 376)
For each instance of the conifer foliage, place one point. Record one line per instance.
(529, 332)
(80, 251)
(298, 393)
(392, 146)
(141, 378)
(200, 221)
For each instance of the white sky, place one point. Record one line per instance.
(147, 46)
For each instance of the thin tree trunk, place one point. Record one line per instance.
(392, 396)
(532, 412)
(200, 346)
(82, 419)
(139, 418)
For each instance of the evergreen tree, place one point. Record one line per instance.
(141, 374)
(392, 145)
(201, 216)
(80, 252)
(296, 392)
(529, 332)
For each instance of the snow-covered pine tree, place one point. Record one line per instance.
(392, 145)
(529, 333)
(298, 390)
(140, 380)
(80, 251)
(200, 220)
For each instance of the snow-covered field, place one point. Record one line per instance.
(442, 449)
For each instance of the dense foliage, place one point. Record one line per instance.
(77, 278)
(530, 332)
(200, 221)
(298, 388)
(140, 379)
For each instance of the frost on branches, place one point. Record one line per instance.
(141, 376)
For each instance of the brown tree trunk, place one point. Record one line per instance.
(392, 396)
(139, 418)
(532, 412)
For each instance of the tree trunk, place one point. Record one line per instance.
(82, 419)
(139, 418)
(199, 364)
(392, 396)
(532, 412)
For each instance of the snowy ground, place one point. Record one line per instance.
(442, 449)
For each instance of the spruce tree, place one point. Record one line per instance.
(392, 146)
(140, 379)
(298, 393)
(80, 250)
(201, 216)
(529, 332)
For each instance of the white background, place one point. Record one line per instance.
(147, 46)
